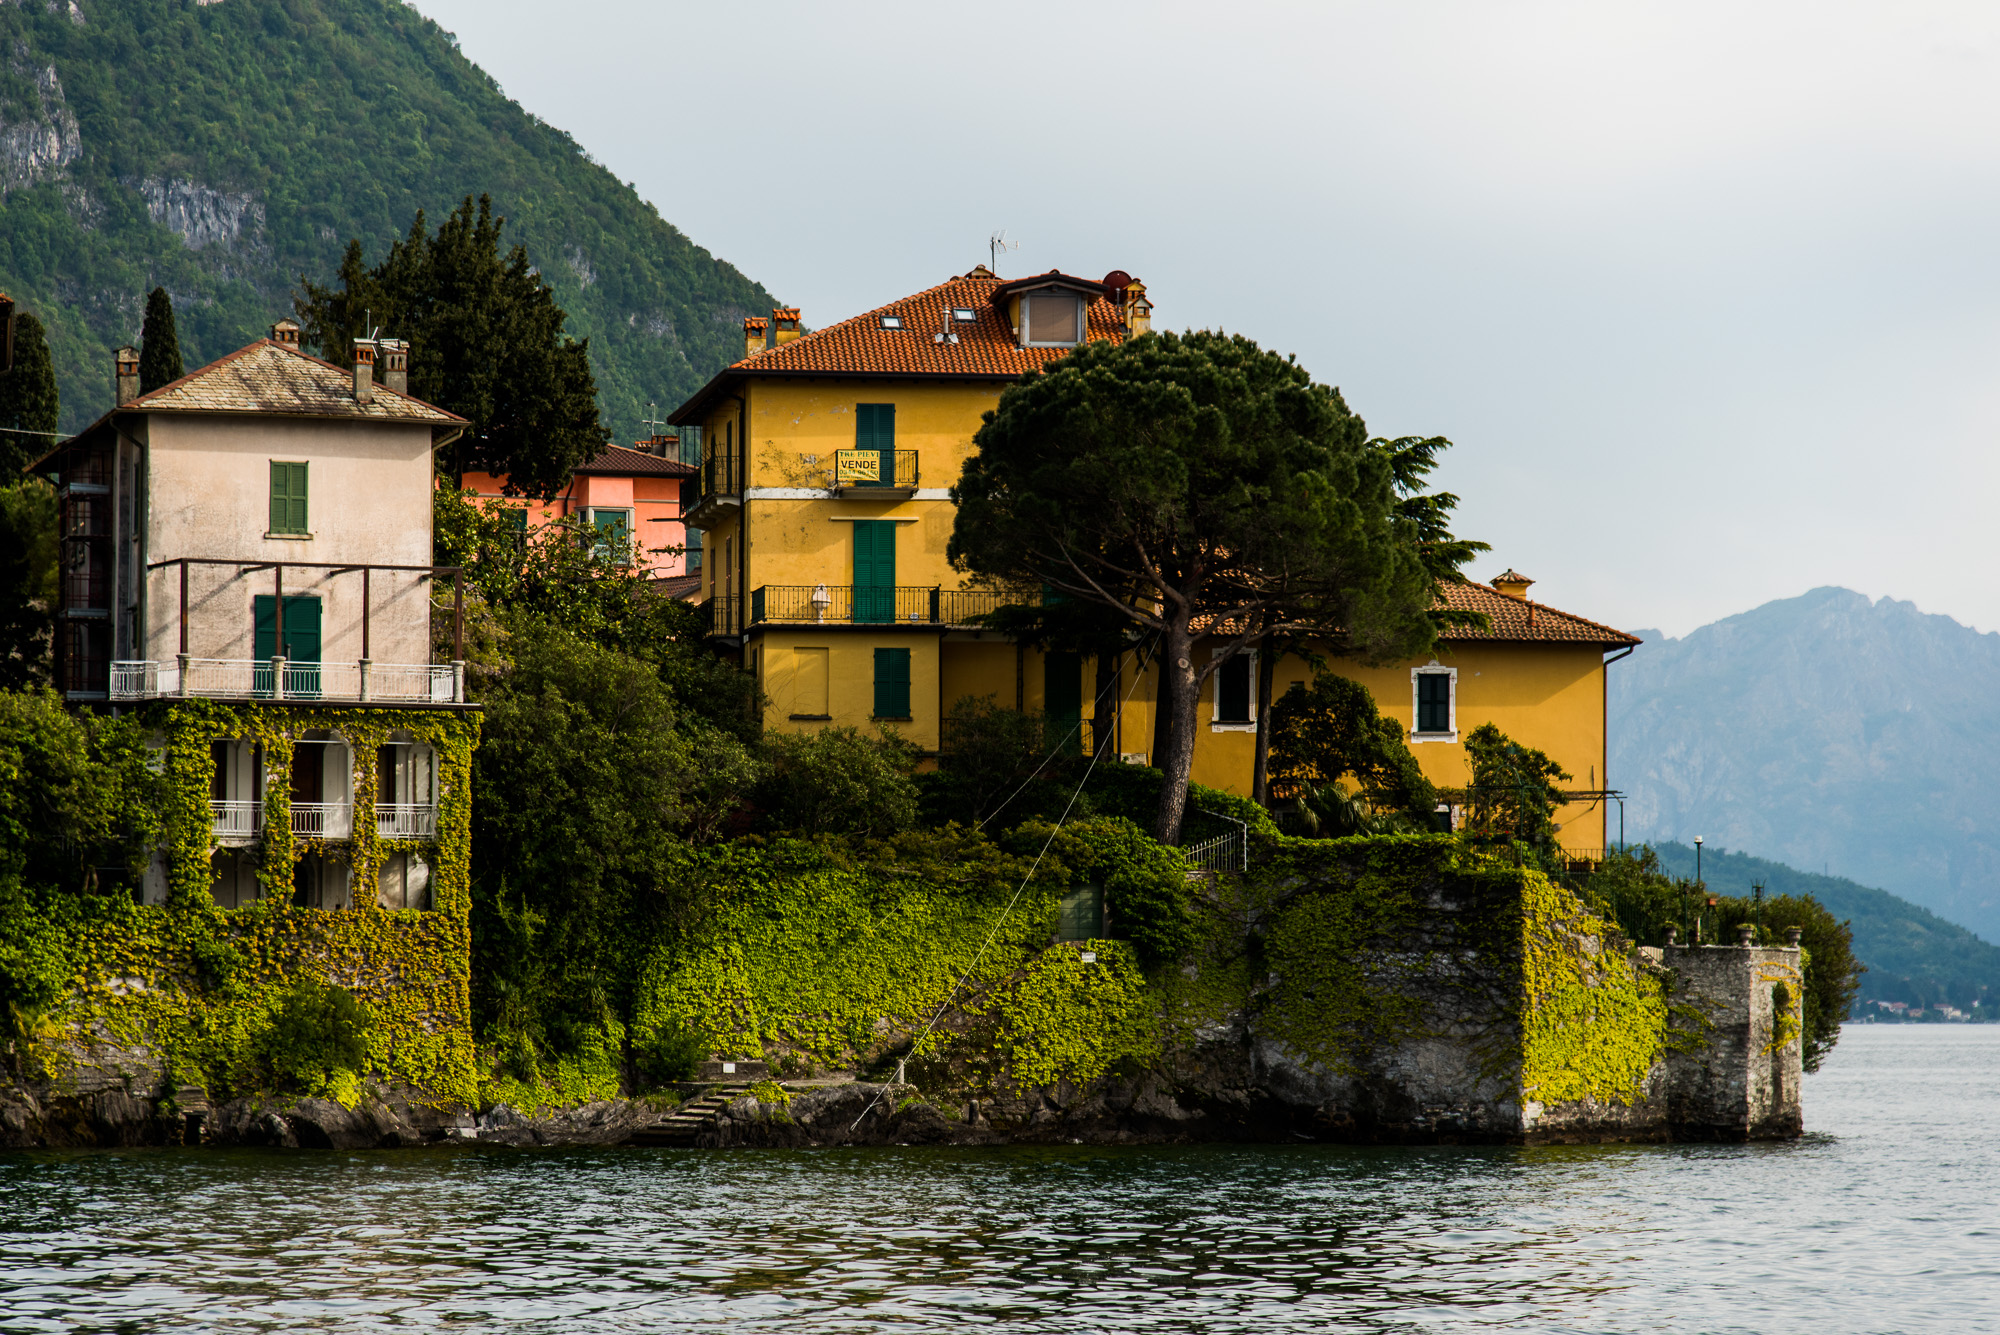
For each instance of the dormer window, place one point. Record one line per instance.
(892, 322)
(1051, 319)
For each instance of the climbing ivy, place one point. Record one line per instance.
(200, 986)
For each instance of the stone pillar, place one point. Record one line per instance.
(277, 678)
(366, 664)
(1737, 1073)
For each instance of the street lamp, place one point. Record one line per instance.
(1697, 859)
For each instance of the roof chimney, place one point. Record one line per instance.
(396, 364)
(753, 334)
(128, 375)
(1512, 584)
(286, 334)
(784, 325)
(1138, 310)
(364, 370)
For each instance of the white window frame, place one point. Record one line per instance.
(1215, 723)
(1434, 668)
(1045, 293)
(631, 537)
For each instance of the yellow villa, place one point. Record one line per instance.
(824, 495)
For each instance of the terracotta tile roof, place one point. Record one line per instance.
(1512, 619)
(985, 347)
(269, 377)
(1519, 619)
(680, 586)
(618, 461)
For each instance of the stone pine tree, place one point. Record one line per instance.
(486, 342)
(30, 405)
(1201, 488)
(159, 344)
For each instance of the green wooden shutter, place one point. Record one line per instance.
(875, 429)
(288, 497)
(302, 635)
(1433, 702)
(874, 570)
(892, 683)
(1232, 690)
(1062, 701)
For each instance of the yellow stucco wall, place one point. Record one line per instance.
(850, 683)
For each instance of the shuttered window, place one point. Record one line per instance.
(875, 429)
(892, 683)
(1232, 690)
(1433, 702)
(874, 570)
(288, 497)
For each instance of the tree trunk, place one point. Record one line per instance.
(1163, 717)
(1260, 771)
(1179, 703)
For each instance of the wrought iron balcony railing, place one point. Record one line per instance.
(861, 470)
(870, 604)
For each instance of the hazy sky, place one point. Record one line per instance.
(1705, 294)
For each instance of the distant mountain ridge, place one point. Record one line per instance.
(223, 149)
(1826, 731)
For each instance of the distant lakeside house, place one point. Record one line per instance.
(824, 495)
(631, 495)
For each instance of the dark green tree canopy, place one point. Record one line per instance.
(1199, 486)
(1514, 793)
(1329, 732)
(159, 344)
(29, 404)
(486, 342)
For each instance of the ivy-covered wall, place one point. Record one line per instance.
(182, 993)
(1401, 986)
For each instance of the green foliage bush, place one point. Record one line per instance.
(34, 961)
(671, 1051)
(78, 798)
(317, 1032)
(1329, 732)
(1514, 794)
(837, 781)
(1145, 884)
(27, 580)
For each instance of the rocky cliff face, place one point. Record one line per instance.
(1825, 731)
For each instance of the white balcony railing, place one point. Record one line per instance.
(322, 820)
(405, 820)
(275, 679)
(237, 822)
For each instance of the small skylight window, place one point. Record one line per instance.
(965, 313)
(892, 322)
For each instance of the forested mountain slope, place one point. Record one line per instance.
(224, 148)
(1830, 732)
(1912, 955)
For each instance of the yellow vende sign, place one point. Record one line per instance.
(858, 466)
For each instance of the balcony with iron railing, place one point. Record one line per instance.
(720, 491)
(883, 473)
(359, 682)
(872, 605)
(240, 822)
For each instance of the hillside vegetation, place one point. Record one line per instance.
(223, 150)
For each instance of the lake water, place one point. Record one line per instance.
(1884, 1218)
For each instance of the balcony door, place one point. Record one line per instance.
(301, 647)
(874, 570)
(875, 431)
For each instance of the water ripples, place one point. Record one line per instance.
(1884, 1219)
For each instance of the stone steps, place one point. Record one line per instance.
(683, 1124)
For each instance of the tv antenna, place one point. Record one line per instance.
(997, 245)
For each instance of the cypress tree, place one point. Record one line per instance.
(29, 401)
(159, 344)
